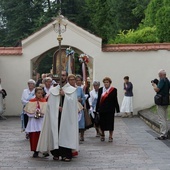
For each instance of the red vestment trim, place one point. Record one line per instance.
(40, 100)
(38, 104)
(106, 95)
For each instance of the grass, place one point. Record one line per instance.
(154, 110)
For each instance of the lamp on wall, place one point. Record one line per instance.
(60, 27)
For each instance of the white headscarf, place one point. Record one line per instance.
(31, 81)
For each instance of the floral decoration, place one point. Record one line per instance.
(84, 58)
(69, 51)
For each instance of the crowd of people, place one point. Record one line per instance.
(55, 117)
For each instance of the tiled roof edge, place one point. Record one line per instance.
(135, 47)
(10, 50)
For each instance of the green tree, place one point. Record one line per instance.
(163, 24)
(140, 7)
(15, 19)
(19, 20)
(155, 27)
(108, 17)
(104, 18)
(47, 10)
(150, 13)
(123, 14)
(22, 18)
(45, 64)
(142, 35)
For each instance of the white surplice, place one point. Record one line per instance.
(68, 134)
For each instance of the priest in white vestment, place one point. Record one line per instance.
(60, 127)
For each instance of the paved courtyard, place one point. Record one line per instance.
(134, 148)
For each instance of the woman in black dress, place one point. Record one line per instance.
(107, 103)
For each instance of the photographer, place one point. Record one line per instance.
(162, 90)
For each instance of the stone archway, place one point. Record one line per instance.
(54, 68)
(36, 61)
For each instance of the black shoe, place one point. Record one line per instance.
(161, 138)
(27, 136)
(46, 154)
(35, 155)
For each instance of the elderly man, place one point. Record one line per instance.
(163, 89)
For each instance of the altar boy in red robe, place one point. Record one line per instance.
(35, 110)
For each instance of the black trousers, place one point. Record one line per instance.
(25, 120)
(63, 152)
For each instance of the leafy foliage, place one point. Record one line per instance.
(155, 27)
(13, 23)
(157, 15)
(19, 20)
(105, 18)
(139, 9)
(144, 35)
(150, 13)
(163, 24)
(45, 64)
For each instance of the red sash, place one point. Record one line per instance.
(38, 105)
(106, 95)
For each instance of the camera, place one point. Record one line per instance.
(156, 81)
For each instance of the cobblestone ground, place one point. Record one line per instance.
(134, 148)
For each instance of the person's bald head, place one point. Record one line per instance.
(162, 73)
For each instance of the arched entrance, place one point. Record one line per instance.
(53, 63)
